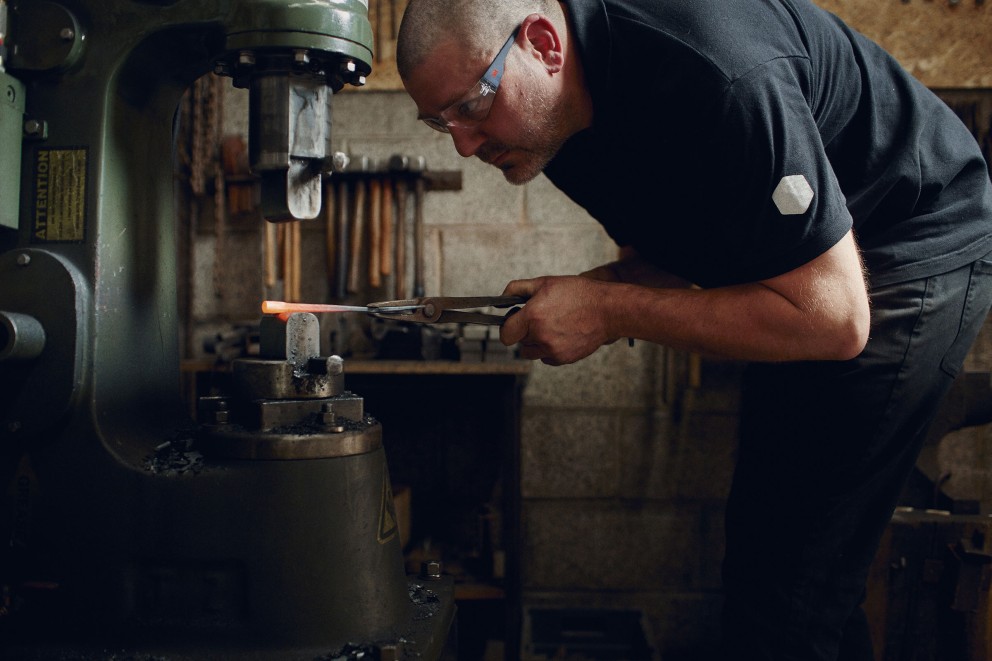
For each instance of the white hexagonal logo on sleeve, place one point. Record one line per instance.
(793, 195)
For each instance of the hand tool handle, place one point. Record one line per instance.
(287, 261)
(386, 255)
(444, 309)
(342, 262)
(295, 265)
(375, 232)
(357, 236)
(418, 236)
(329, 212)
(453, 302)
(400, 280)
(271, 257)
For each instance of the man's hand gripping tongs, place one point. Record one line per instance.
(447, 309)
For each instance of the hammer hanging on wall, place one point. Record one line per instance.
(386, 243)
(417, 166)
(398, 165)
(375, 231)
(361, 167)
(341, 264)
(271, 254)
(329, 212)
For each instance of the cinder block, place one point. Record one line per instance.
(648, 456)
(611, 545)
(614, 376)
(706, 452)
(569, 454)
(692, 458)
(368, 113)
(232, 287)
(484, 258)
(679, 626)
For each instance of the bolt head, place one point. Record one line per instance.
(67, 34)
(431, 570)
(23, 259)
(340, 161)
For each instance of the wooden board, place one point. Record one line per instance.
(944, 43)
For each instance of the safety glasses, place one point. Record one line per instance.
(473, 108)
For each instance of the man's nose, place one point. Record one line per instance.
(467, 140)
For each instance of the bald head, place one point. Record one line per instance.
(478, 25)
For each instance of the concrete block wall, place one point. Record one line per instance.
(622, 485)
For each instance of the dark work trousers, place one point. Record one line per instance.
(825, 450)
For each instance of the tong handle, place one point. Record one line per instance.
(434, 304)
(449, 309)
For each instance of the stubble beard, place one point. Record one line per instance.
(540, 139)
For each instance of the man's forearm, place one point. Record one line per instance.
(818, 311)
(745, 322)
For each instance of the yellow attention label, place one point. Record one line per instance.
(60, 195)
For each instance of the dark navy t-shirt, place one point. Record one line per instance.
(735, 140)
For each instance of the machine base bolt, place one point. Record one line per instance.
(430, 570)
(330, 419)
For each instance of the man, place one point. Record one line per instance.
(831, 212)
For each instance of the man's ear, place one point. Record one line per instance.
(539, 37)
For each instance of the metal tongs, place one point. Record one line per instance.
(447, 309)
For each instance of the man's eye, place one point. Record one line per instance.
(472, 109)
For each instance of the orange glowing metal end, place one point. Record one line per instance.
(282, 307)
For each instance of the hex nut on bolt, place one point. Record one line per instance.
(221, 414)
(330, 419)
(430, 570)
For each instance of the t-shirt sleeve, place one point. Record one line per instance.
(775, 203)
